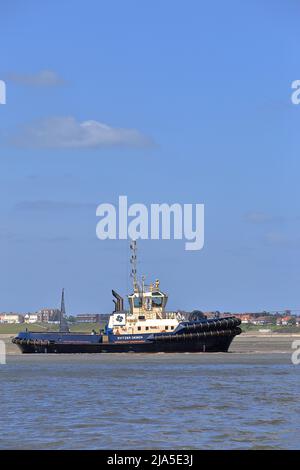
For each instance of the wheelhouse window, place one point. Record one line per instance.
(139, 328)
(137, 302)
(166, 327)
(157, 301)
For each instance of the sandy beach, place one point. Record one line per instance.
(245, 343)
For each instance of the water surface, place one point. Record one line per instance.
(159, 401)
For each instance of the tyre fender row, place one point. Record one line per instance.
(214, 325)
(195, 336)
(31, 342)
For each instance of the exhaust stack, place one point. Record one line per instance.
(119, 302)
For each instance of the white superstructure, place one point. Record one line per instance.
(147, 305)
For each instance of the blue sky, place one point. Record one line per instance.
(206, 88)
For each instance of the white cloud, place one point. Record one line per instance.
(282, 239)
(43, 78)
(45, 206)
(275, 238)
(257, 217)
(66, 132)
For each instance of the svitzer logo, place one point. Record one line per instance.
(2, 92)
(160, 221)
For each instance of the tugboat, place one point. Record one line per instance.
(145, 327)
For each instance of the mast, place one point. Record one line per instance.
(133, 261)
(63, 326)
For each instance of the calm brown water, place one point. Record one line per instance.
(179, 401)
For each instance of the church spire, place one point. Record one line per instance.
(63, 325)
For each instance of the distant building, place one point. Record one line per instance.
(248, 318)
(48, 315)
(11, 318)
(262, 320)
(244, 317)
(89, 318)
(31, 318)
(284, 321)
(210, 314)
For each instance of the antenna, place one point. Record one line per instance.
(133, 261)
